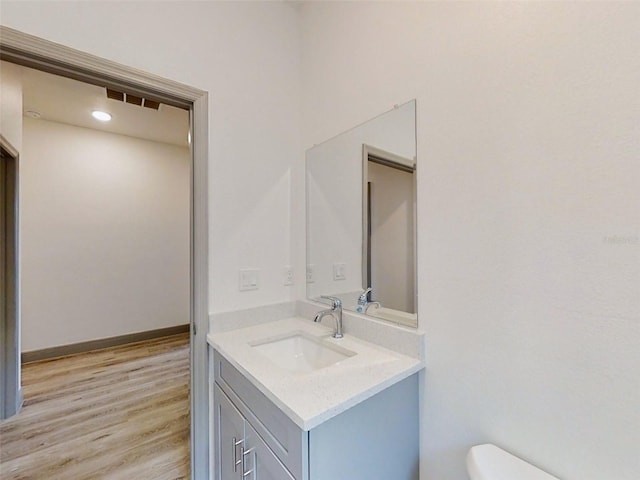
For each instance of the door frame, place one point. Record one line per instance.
(10, 388)
(34, 52)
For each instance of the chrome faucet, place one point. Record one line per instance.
(335, 311)
(364, 303)
(363, 299)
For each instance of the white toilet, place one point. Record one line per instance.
(488, 462)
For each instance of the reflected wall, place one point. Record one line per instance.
(335, 192)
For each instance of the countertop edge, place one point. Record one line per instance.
(362, 396)
(330, 411)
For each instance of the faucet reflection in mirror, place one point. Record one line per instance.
(364, 302)
(361, 217)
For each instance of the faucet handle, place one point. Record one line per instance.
(336, 302)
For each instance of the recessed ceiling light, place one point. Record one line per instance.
(33, 114)
(102, 116)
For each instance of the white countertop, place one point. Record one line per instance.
(311, 398)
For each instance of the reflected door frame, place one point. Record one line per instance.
(392, 160)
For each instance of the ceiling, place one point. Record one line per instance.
(64, 100)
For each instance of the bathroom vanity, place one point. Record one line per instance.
(290, 402)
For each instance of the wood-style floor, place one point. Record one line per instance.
(116, 413)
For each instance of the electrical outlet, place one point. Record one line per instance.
(311, 273)
(288, 275)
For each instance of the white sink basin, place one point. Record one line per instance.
(301, 352)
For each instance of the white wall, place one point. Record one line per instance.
(246, 55)
(528, 218)
(11, 104)
(104, 234)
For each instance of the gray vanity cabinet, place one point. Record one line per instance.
(229, 433)
(241, 452)
(262, 463)
(376, 439)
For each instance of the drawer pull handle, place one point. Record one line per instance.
(247, 452)
(234, 447)
(244, 453)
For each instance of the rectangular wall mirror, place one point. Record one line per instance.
(361, 217)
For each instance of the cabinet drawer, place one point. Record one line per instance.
(282, 436)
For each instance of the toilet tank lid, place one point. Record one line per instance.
(488, 462)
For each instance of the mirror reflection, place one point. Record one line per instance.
(361, 216)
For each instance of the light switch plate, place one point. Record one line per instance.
(249, 279)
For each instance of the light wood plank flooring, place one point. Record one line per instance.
(116, 413)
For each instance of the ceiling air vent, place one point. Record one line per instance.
(151, 104)
(113, 95)
(132, 99)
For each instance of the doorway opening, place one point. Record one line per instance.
(33, 52)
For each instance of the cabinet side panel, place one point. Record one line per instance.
(375, 440)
